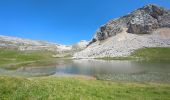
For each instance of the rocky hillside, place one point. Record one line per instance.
(26, 44)
(148, 26)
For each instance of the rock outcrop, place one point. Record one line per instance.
(142, 24)
(147, 19)
(142, 21)
(145, 27)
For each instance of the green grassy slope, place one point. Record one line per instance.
(153, 53)
(14, 58)
(52, 88)
(156, 53)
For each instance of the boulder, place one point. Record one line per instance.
(142, 23)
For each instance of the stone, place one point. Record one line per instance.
(108, 30)
(142, 23)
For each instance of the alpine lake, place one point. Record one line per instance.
(113, 70)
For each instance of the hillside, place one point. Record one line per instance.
(148, 26)
(80, 45)
(31, 45)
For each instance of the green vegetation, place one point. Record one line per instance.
(153, 53)
(11, 58)
(63, 55)
(156, 53)
(54, 88)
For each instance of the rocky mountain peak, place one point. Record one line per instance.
(154, 10)
(141, 21)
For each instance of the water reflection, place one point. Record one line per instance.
(29, 71)
(101, 69)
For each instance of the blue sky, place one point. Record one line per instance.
(63, 21)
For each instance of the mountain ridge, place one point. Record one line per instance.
(148, 26)
(23, 44)
(144, 19)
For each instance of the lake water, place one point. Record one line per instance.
(100, 69)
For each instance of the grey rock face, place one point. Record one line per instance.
(142, 23)
(107, 31)
(154, 10)
(164, 21)
(110, 29)
(143, 20)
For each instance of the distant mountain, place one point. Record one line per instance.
(26, 44)
(80, 45)
(148, 26)
(32, 45)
